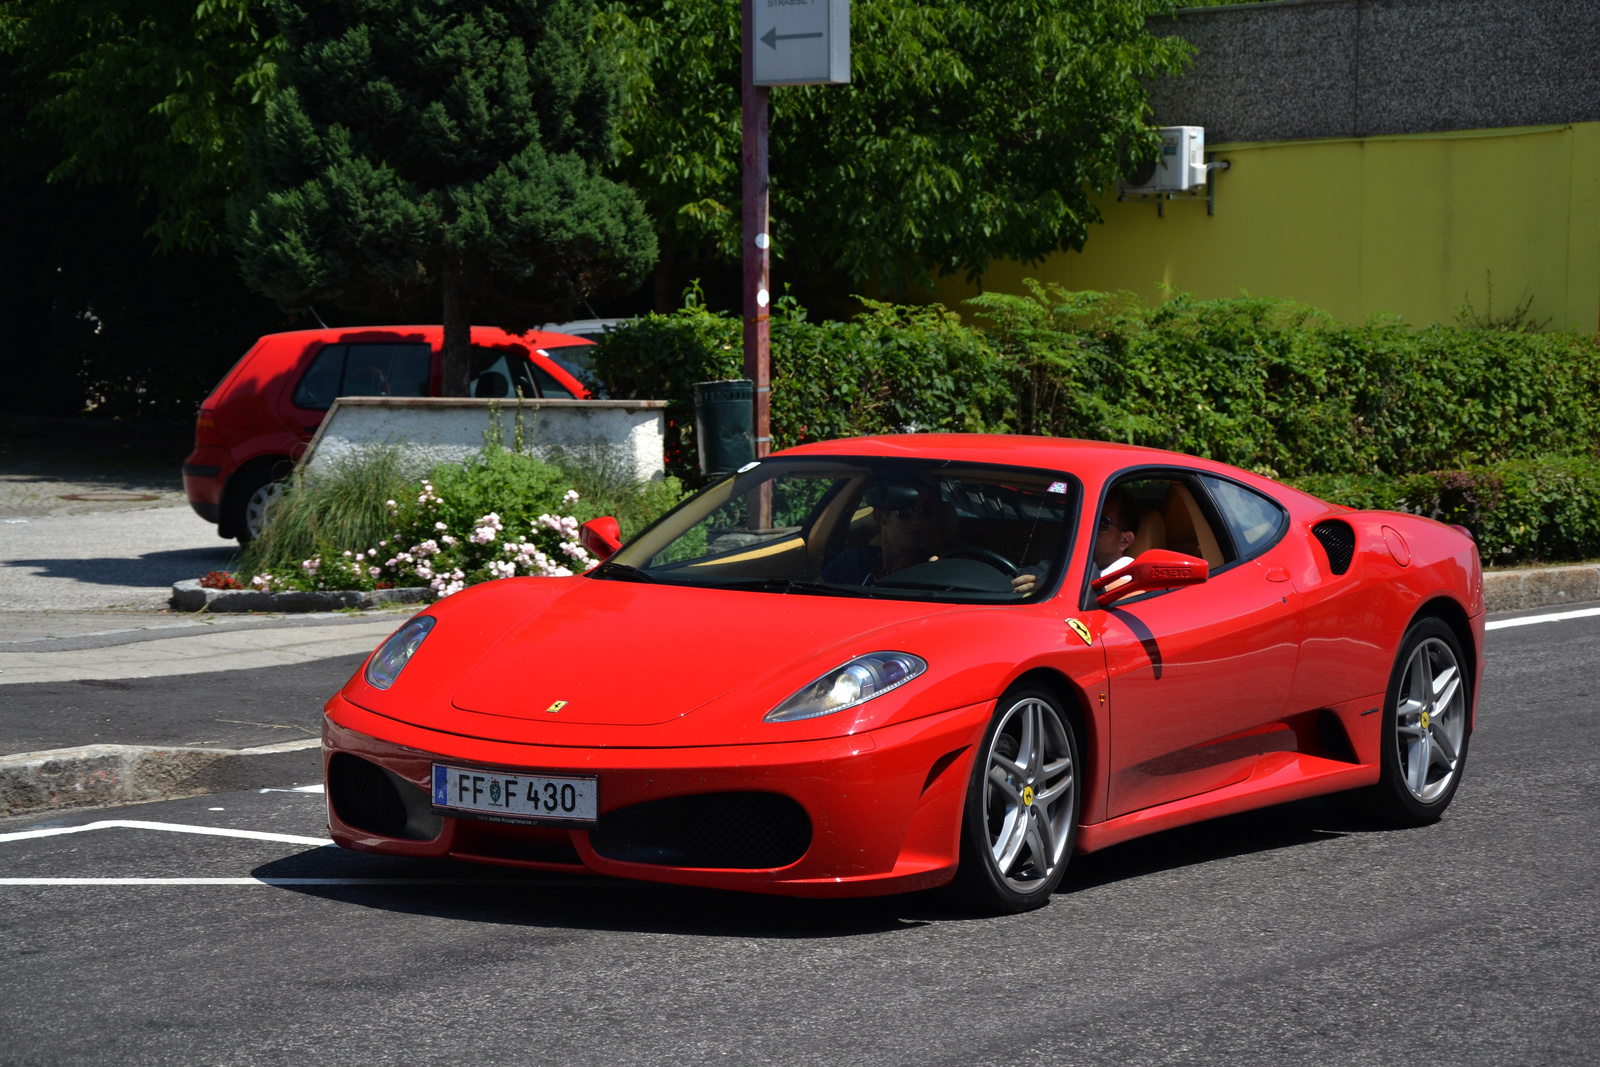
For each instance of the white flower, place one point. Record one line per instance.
(440, 526)
(390, 504)
(374, 571)
(447, 539)
(502, 569)
(571, 497)
(347, 553)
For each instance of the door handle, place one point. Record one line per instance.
(1277, 574)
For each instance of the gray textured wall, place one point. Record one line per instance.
(1357, 68)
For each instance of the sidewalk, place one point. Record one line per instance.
(158, 706)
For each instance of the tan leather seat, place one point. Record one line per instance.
(1152, 533)
(1187, 529)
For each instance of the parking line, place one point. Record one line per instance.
(523, 882)
(1529, 620)
(170, 827)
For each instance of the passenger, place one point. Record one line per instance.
(912, 529)
(1118, 526)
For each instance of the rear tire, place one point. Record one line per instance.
(1020, 821)
(249, 500)
(1426, 728)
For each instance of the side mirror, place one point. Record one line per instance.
(600, 536)
(1155, 569)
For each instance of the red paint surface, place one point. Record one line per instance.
(667, 688)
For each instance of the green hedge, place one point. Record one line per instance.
(1262, 384)
(1520, 510)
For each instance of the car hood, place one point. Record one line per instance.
(598, 663)
(618, 653)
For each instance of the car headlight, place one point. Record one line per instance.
(857, 682)
(392, 656)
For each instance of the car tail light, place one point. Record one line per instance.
(205, 428)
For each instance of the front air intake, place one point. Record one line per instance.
(1339, 541)
(363, 796)
(740, 831)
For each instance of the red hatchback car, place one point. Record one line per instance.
(260, 417)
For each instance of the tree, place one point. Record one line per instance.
(153, 96)
(970, 131)
(444, 146)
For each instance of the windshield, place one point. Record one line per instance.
(928, 530)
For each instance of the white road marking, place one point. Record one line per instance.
(1529, 620)
(170, 827)
(305, 881)
(297, 789)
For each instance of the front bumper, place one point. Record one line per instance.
(885, 806)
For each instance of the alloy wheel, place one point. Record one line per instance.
(255, 509)
(1028, 794)
(1430, 720)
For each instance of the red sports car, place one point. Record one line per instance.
(885, 664)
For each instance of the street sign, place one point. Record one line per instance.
(802, 42)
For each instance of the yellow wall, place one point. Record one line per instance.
(1405, 224)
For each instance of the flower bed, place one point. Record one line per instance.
(499, 516)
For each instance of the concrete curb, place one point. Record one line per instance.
(1540, 587)
(103, 775)
(188, 595)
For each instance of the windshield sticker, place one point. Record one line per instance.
(1057, 487)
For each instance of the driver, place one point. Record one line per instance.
(1115, 533)
(912, 529)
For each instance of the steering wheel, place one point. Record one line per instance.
(984, 555)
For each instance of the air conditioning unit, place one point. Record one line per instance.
(1181, 166)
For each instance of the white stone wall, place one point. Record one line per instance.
(432, 430)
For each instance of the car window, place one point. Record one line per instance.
(320, 384)
(501, 373)
(578, 361)
(845, 526)
(386, 370)
(1171, 516)
(549, 387)
(1254, 520)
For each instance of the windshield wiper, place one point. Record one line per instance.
(795, 585)
(623, 572)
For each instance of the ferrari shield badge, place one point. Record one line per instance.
(557, 706)
(1081, 630)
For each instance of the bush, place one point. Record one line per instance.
(1263, 384)
(1278, 387)
(1519, 511)
(891, 368)
(363, 525)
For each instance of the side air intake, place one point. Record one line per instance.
(1339, 541)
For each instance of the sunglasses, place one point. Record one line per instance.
(907, 514)
(1108, 524)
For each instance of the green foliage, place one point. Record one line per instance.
(331, 510)
(1544, 509)
(449, 148)
(970, 131)
(1276, 386)
(155, 95)
(890, 368)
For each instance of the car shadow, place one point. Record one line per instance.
(560, 901)
(151, 569)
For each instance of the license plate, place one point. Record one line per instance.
(504, 796)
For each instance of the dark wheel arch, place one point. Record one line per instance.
(244, 481)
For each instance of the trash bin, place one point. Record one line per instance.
(723, 412)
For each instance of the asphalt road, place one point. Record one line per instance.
(1284, 936)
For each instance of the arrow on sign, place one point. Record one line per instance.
(772, 37)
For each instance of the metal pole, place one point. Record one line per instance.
(757, 243)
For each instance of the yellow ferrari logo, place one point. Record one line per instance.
(1027, 796)
(1081, 630)
(1424, 720)
(557, 706)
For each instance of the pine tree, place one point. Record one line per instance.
(443, 147)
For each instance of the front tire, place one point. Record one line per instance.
(1425, 727)
(1020, 820)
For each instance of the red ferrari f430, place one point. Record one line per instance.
(886, 664)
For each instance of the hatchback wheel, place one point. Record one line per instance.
(251, 501)
(1021, 815)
